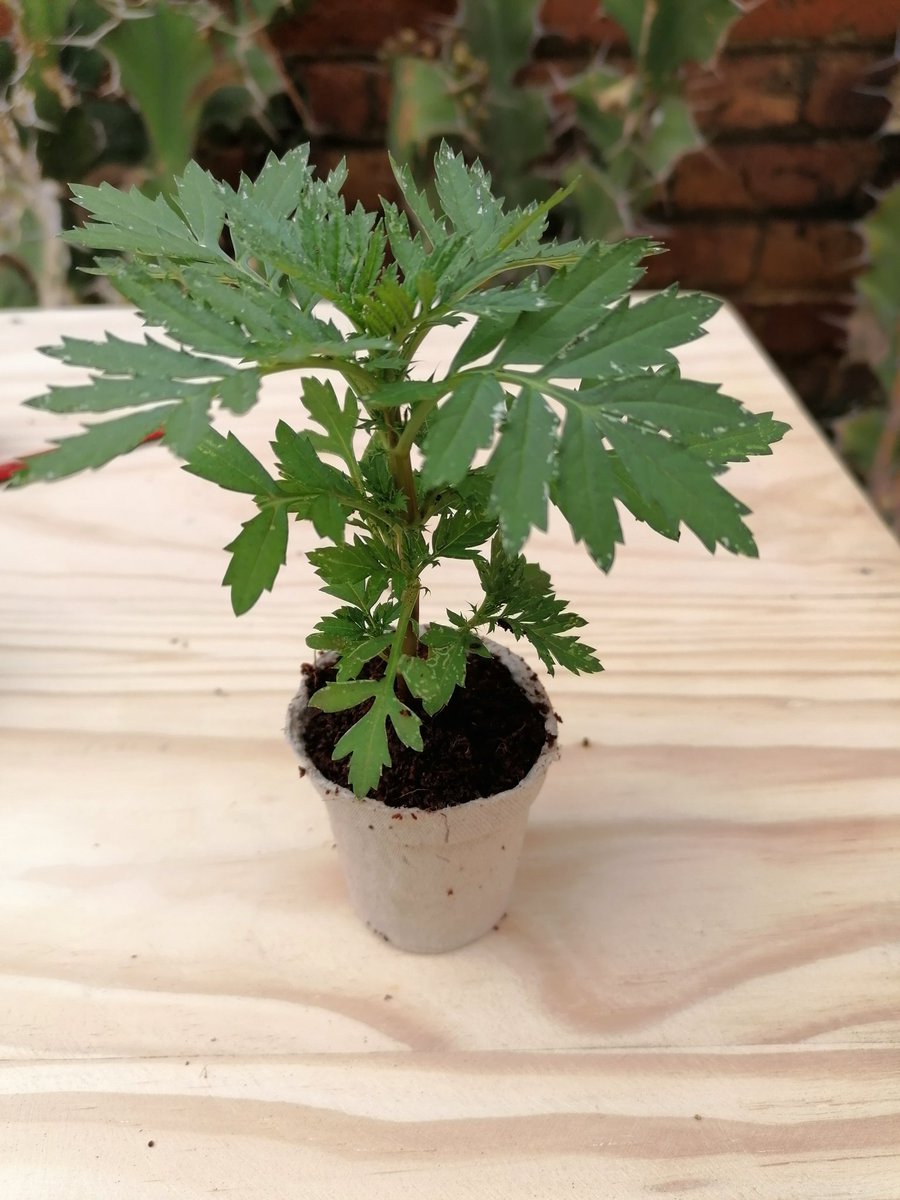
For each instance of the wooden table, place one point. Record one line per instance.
(697, 990)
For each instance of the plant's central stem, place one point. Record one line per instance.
(401, 469)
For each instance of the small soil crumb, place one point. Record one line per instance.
(151, 1143)
(697, 1117)
(484, 741)
(388, 996)
(585, 741)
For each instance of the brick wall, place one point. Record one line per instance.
(764, 216)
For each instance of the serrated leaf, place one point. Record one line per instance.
(354, 657)
(98, 445)
(352, 563)
(187, 425)
(281, 182)
(339, 631)
(406, 725)
(337, 697)
(300, 464)
(634, 336)
(366, 743)
(227, 462)
(682, 407)
(521, 466)
(150, 358)
(321, 402)
(132, 221)
(201, 199)
(461, 426)
(459, 534)
(417, 203)
(239, 391)
(257, 554)
(585, 488)
(163, 303)
(681, 485)
(435, 678)
(736, 445)
(106, 395)
(579, 296)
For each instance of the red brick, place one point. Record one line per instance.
(580, 21)
(336, 28)
(840, 93)
(807, 254)
(814, 20)
(346, 99)
(800, 328)
(749, 92)
(822, 381)
(369, 175)
(715, 256)
(757, 176)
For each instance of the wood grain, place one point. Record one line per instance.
(697, 990)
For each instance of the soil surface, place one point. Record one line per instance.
(484, 741)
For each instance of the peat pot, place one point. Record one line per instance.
(431, 881)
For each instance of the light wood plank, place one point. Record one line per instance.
(705, 920)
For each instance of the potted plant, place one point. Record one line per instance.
(428, 741)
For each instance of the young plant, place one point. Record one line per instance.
(571, 387)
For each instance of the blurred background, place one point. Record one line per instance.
(759, 140)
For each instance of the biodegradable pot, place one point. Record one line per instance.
(431, 881)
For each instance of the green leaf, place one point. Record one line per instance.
(681, 485)
(578, 298)
(163, 59)
(683, 33)
(634, 336)
(630, 15)
(98, 445)
(302, 467)
(336, 697)
(432, 226)
(459, 534)
(683, 407)
(355, 657)
(719, 448)
(435, 678)
(462, 425)
(321, 402)
(281, 182)
(520, 596)
(202, 199)
(132, 221)
(227, 462)
(150, 358)
(424, 106)
(366, 743)
(673, 134)
(340, 631)
(521, 466)
(585, 488)
(187, 425)
(353, 563)
(105, 395)
(163, 303)
(257, 554)
(239, 392)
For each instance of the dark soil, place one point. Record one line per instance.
(484, 741)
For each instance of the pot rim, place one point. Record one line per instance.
(522, 673)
